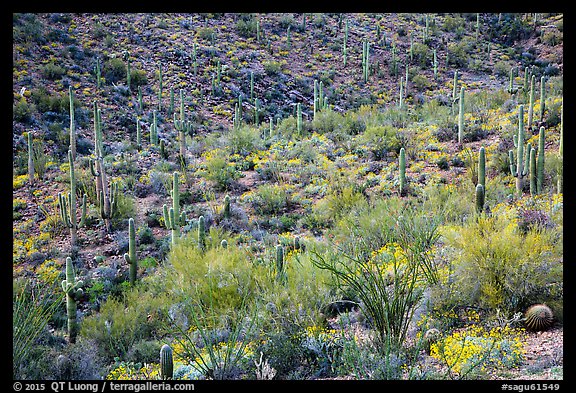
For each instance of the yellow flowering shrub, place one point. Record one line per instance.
(478, 348)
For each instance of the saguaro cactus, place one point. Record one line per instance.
(542, 97)
(183, 127)
(130, 257)
(30, 159)
(559, 183)
(480, 198)
(226, 206)
(154, 130)
(299, 118)
(138, 134)
(402, 167)
(531, 103)
(533, 186)
(172, 217)
(280, 268)
(166, 362)
(461, 116)
(365, 60)
(520, 169)
(454, 91)
(105, 194)
(72, 124)
(68, 208)
(159, 86)
(202, 233)
(540, 161)
(72, 288)
(482, 167)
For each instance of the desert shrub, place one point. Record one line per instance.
(138, 78)
(381, 140)
(22, 111)
(273, 67)
(223, 278)
(421, 53)
(52, 71)
(246, 27)
(498, 265)
(467, 353)
(453, 23)
(269, 199)
(244, 140)
(33, 306)
(218, 170)
(114, 70)
(125, 321)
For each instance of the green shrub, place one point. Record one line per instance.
(269, 199)
(244, 140)
(123, 322)
(138, 78)
(52, 71)
(114, 70)
(381, 140)
(22, 111)
(217, 170)
(498, 266)
(246, 27)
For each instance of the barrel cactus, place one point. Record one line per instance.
(430, 337)
(538, 317)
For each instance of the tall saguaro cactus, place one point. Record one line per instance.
(72, 124)
(105, 194)
(520, 169)
(183, 127)
(72, 288)
(365, 60)
(531, 102)
(173, 219)
(402, 167)
(482, 167)
(68, 208)
(540, 161)
(202, 233)
(480, 198)
(130, 257)
(461, 116)
(542, 97)
(559, 185)
(280, 264)
(30, 159)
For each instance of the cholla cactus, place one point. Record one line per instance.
(538, 317)
(71, 287)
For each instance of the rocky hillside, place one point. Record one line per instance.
(282, 128)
